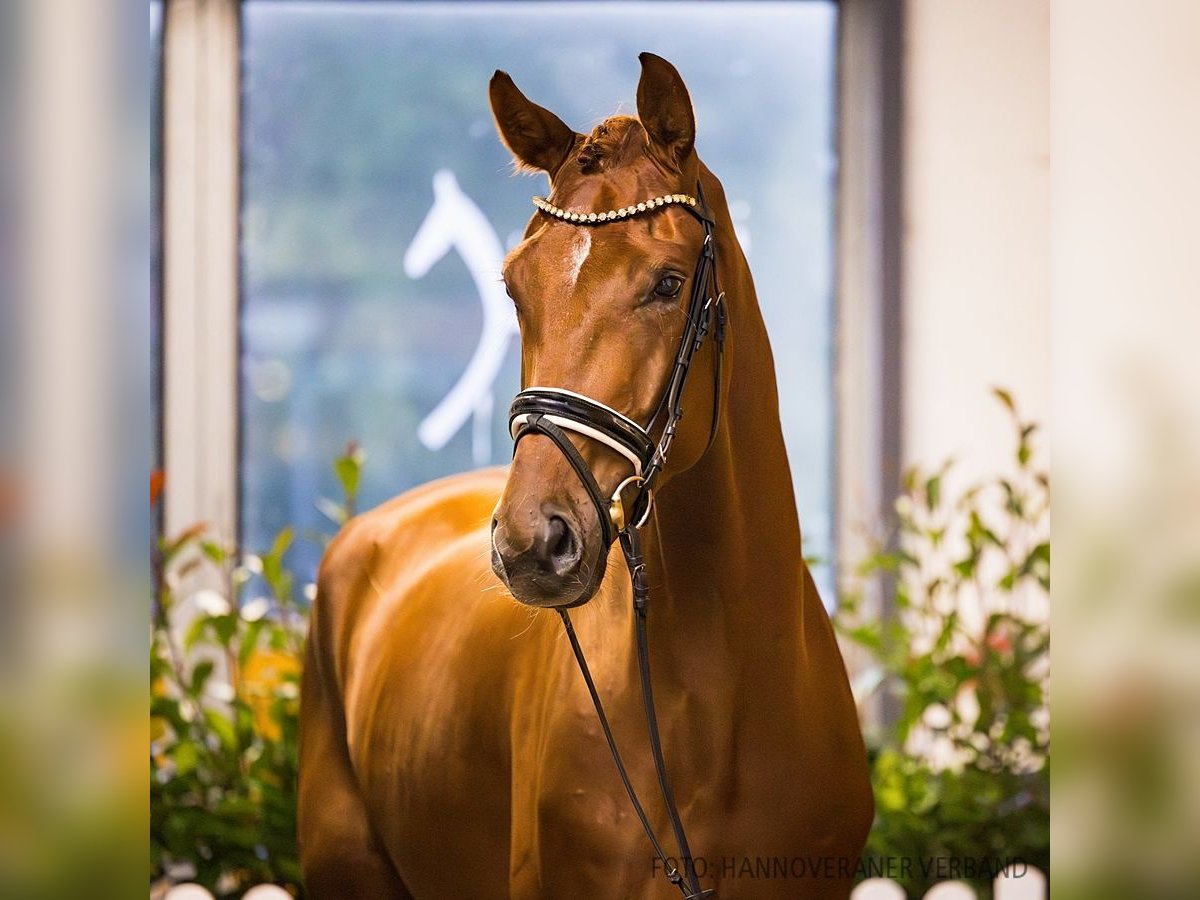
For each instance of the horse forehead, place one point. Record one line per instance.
(555, 254)
(554, 249)
(580, 249)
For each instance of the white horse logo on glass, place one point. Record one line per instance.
(456, 223)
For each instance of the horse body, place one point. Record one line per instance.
(450, 748)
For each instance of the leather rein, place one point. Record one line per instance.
(552, 412)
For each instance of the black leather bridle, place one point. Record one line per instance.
(553, 412)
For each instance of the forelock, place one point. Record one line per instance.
(612, 143)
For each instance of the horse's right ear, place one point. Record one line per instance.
(665, 109)
(537, 137)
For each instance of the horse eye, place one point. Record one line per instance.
(668, 286)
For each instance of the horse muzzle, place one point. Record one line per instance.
(541, 554)
(550, 542)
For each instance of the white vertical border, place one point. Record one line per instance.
(200, 210)
(65, 139)
(867, 313)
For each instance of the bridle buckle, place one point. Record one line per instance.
(616, 505)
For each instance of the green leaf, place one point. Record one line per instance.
(1012, 499)
(168, 708)
(1039, 555)
(200, 674)
(949, 628)
(249, 641)
(195, 632)
(160, 666)
(213, 551)
(867, 636)
(979, 534)
(282, 542)
(348, 469)
(221, 727)
(1006, 398)
(186, 756)
(225, 627)
(933, 491)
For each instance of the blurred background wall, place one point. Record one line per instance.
(1126, 283)
(976, 224)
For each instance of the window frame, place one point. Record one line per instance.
(201, 209)
(868, 302)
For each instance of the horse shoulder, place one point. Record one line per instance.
(376, 552)
(410, 640)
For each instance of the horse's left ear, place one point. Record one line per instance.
(537, 137)
(665, 108)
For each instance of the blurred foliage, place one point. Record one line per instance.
(960, 669)
(224, 705)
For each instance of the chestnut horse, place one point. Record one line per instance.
(449, 747)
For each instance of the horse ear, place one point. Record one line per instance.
(537, 137)
(665, 108)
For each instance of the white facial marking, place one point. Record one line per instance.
(579, 253)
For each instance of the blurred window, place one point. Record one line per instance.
(368, 141)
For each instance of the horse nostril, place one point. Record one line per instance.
(565, 546)
(556, 546)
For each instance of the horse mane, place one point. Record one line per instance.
(610, 144)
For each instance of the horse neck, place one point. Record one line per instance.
(724, 555)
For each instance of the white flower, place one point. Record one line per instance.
(937, 716)
(310, 592)
(211, 603)
(221, 691)
(253, 563)
(255, 609)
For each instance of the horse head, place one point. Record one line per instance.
(602, 310)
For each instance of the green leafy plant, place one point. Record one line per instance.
(959, 672)
(224, 706)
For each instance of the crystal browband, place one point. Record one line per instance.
(624, 212)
